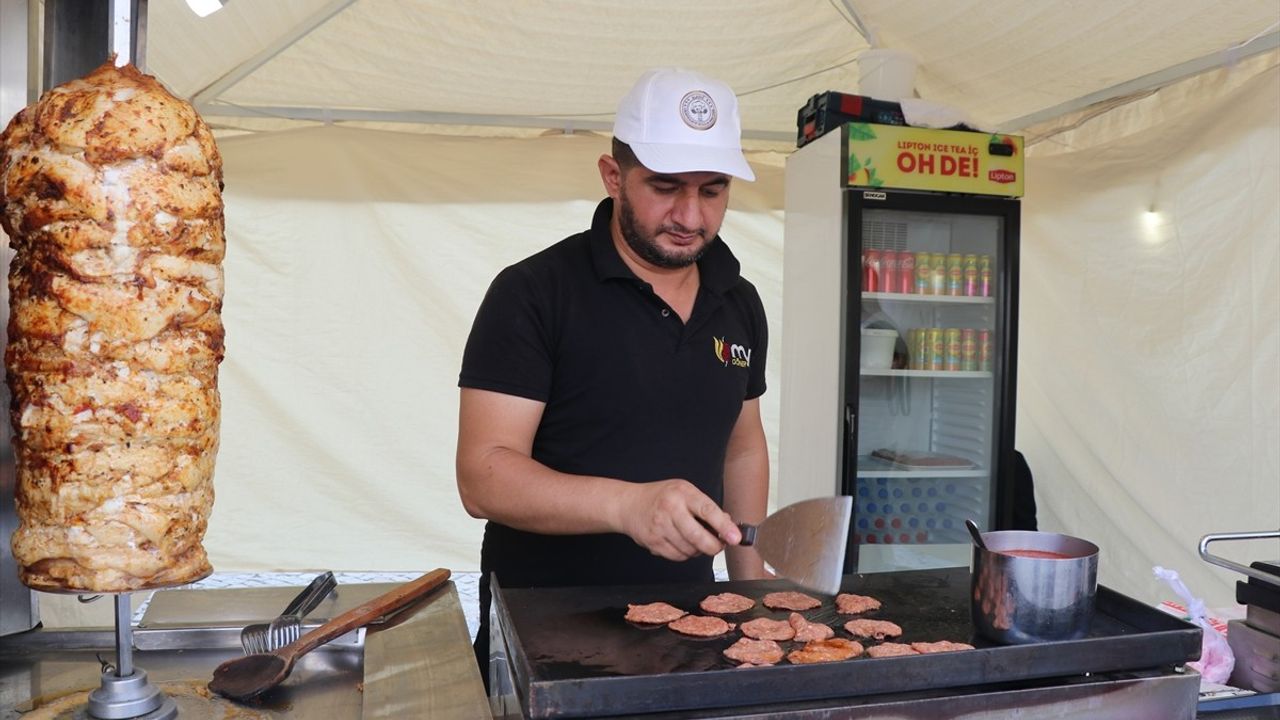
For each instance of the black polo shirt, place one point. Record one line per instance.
(631, 391)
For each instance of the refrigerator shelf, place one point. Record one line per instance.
(939, 299)
(923, 473)
(873, 467)
(926, 373)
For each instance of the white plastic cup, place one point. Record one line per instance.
(877, 348)
(886, 74)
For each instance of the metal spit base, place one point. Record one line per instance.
(125, 692)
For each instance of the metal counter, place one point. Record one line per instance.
(419, 664)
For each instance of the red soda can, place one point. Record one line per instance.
(906, 272)
(984, 350)
(888, 271)
(871, 270)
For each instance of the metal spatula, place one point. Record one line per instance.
(805, 541)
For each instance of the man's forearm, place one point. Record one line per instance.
(511, 488)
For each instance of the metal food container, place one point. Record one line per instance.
(1046, 592)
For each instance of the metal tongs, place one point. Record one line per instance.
(287, 627)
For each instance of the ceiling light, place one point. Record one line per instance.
(205, 8)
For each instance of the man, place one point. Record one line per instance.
(610, 417)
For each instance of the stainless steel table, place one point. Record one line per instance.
(419, 664)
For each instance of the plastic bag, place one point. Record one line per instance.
(1216, 659)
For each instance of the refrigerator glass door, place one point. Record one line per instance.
(927, 416)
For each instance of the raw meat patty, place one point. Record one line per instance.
(850, 604)
(726, 603)
(701, 626)
(890, 649)
(806, 631)
(754, 652)
(766, 629)
(790, 601)
(656, 613)
(940, 646)
(878, 629)
(829, 650)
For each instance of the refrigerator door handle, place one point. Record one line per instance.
(850, 449)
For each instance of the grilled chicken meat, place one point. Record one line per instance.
(110, 194)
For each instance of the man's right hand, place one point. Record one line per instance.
(675, 520)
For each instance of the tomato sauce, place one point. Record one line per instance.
(1044, 554)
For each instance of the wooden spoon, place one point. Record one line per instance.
(252, 675)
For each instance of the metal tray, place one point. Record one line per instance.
(573, 655)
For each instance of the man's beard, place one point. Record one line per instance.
(646, 246)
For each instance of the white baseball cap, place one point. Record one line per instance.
(679, 121)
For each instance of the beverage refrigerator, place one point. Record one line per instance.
(899, 336)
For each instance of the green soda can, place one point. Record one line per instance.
(937, 274)
(955, 274)
(984, 275)
(917, 348)
(971, 287)
(923, 283)
(953, 349)
(968, 349)
(936, 359)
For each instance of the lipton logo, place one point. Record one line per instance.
(729, 353)
(1002, 176)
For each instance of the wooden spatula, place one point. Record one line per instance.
(252, 675)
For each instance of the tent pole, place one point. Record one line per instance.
(282, 43)
(1152, 81)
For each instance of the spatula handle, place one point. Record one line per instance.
(748, 534)
(366, 613)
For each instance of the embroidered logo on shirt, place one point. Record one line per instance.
(728, 353)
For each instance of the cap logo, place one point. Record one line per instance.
(698, 110)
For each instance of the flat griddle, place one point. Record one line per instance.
(573, 655)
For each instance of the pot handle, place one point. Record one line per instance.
(1223, 562)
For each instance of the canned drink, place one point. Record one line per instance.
(953, 349)
(917, 348)
(936, 359)
(955, 274)
(924, 277)
(937, 274)
(888, 271)
(906, 272)
(984, 275)
(984, 350)
(968, 349)
(871, 270)
(971, 275)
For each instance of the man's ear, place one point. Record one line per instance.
(610, 175)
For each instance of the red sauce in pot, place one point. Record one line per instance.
(1045, 554)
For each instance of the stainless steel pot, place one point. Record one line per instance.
(1018, 599)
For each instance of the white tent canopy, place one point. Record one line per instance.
(560, 63)
(357, 256)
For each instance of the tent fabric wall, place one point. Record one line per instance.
(1149, 365)
(355, 263)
